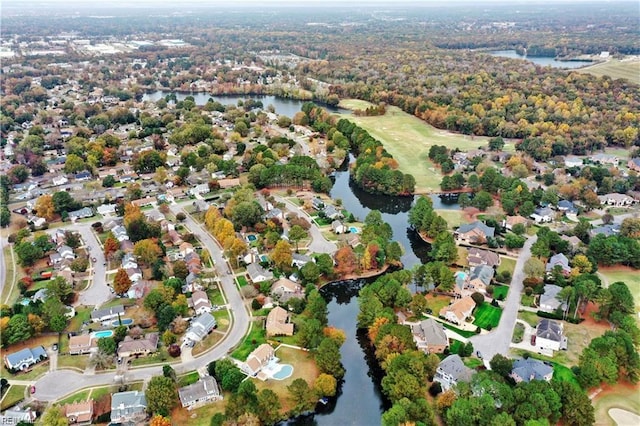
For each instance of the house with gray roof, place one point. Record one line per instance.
(549, 301)
(200, 327)
(474, 233)
(15, 415)
(607, 230)
(549, 335)
(452, 371)
(258, 274)
(542, 215)
(478, 257)
(430, 336)
(25, 358)
(199, 393)
(128, 407)
(480, 278)
(558, 260)
(106, 314)
(525, 370)
(81, 214)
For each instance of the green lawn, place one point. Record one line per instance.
(188, 378)
(614, 68)
(242, 281)
(563, 374)
(73, 361)
(630, 277)
(255, 338)
(354, 104)
(436, 303)
(10, 293)
(83, 395)
(160, 356)
(621, 396)
(14, 395)
(500, 290)
(222, 319)
(529, 317)
(487, 316)
(506, 264)
(463, 333)
(408, 139)
(518, 333)
(472, 362)
(454, 218)
(527, 300)
(454, 346)
(82, 314)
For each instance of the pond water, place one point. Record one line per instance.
(541, 60)
(283, 106)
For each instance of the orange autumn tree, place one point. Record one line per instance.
(121, 282)
(346, 261)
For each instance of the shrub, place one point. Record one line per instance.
(180, 217)
(435, 389)
(174, 350)
(255, 305)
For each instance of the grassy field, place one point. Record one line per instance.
(242, 281)
(529, 317)
(624, 396)
(354, 104)
(207, 343)
(304, 367)
(188, 379)
(408, 139)
(255, 338)
(500, 290)
(454, 218)
(615, 69)
(14, 395)
(199, 416)
(487, 316)
(83, 395)
(563, 374)
(82, 314)
(630, 277)
(73, 361)
(506, 264)
(436, 303)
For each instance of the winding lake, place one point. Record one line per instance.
(541, 60)
(283, 106)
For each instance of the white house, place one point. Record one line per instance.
(543, 215)
(106, 314)
(106, 209)
(199, 393)
(615, 199)
(459, 310)
(199, 302)
(452, 371)
(25, 358)
(549, 335)
(258, 359)
(59, 180)
(258, 274)
(200, 327)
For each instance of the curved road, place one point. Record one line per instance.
(57, 384)
(498, 340)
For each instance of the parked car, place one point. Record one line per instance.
(54, 347)
(533, 340)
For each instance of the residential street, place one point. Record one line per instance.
(499, 339)
(319, 243)
(63, 382)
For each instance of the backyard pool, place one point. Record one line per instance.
(101, 334)
(124, 321)
(285, 371)
(251, 238)
(353, 230)
(264, 258)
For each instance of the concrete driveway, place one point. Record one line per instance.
(499, 339)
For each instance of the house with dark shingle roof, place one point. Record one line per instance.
(549, 335)
(474, 233)
(128, 407)
(25, 358)
(452, 371)
(558, 260)
(199, 393)
(525, 370)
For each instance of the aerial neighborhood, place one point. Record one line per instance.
(199, 223)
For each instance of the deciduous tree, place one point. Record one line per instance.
(161, 395)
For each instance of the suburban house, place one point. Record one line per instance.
(572, 161)
(452, 371)
(477, 257)
(480, 278)
(134, 274)
(139, 289)
(81, 214)
(99, 315)
(15, 415)
(615, 199)
(284, 289)
(128, 407)
(549, 335)
(79, 413)
(331, 212)
(542, 215)
(200, 327)
(606, 230)
(79, 345)
(199, 393)
(25, 358)
(525, 370)
(338, 227)
(136, 347)
(228, 183)
(574, 242)
(129, 261)
(299, 260)
(605, 159)
(558, 260)
(511, 221)
(634, 164)
(258, 359)
(258, 274)
(430, 336)
(459, 310)
(474, 233)
(106, 209)
(549, 301)
(120, 232)
(199, 302)
(567, 207)
(278, 323)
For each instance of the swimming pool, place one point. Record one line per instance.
(285, 371)
(251, 238)
(353, 230)
(124, 321)
(264, 258)
(102, 334)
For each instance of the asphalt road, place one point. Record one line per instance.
(59, 383)
(499, 339)
(319, 243)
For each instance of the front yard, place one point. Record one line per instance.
(255, 338)
(487, 316)
(14, 394)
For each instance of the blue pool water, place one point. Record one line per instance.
(251, 238)
(125, 321)
(101, 334)
(353, 230)
(264, 258)
(285, 371)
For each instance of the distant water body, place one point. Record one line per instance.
(540, 60)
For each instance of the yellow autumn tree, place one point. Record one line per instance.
(45, 208)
